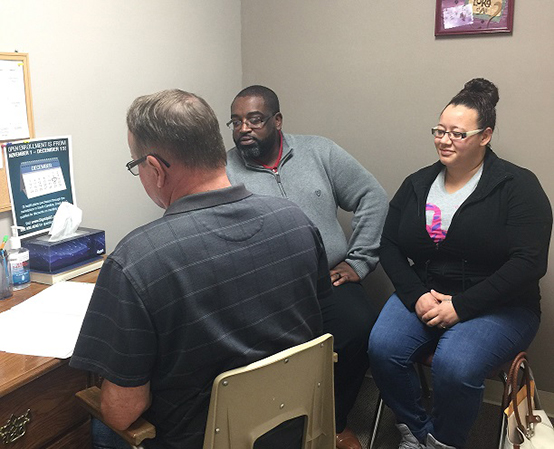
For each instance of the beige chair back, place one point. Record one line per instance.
(248, 402)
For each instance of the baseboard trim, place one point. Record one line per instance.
(494, 391)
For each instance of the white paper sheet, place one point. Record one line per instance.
(48, 323)
(13, 108)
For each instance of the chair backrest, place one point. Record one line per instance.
(248, 402)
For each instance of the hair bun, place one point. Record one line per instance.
(483, 87)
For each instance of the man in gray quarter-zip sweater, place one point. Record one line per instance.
(320, 177)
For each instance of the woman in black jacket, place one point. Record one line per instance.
(465, 244)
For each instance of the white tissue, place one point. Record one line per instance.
(66, 221)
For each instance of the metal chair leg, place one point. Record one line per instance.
(376, 420)
(502, 436)
(423, 381)
(503, 420)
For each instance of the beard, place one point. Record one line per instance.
(257, 150)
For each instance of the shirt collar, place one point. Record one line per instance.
(208, 199)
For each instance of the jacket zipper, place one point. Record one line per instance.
(275, 172)
(279, 183)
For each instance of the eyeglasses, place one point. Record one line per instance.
(453, 135)
(255, 122)
(132, 166)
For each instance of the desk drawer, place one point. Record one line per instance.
(78, 438)
(53, 408)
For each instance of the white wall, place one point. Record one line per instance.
(90, 59)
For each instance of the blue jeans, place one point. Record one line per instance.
(105, 438)
(465, 354)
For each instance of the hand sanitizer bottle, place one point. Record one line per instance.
(18, 259)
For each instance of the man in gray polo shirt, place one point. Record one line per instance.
(223, 279)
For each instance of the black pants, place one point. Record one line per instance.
(287, 435)
(349, 315)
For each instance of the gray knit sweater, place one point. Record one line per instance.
(320, 176)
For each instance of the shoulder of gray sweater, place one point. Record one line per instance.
(309, 142)
(329, 153)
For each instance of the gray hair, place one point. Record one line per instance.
(178, 124)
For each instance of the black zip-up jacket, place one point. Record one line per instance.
(494, 253)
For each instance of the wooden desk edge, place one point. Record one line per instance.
(29, 367)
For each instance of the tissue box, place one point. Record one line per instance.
(51, 257)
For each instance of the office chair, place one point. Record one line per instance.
(426, 361)
(248, 402)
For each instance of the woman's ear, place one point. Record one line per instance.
(486, 136)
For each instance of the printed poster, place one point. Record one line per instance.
(40, 177)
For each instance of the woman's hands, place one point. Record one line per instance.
(424, 304)
(436, 309)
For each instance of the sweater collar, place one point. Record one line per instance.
(286, 140)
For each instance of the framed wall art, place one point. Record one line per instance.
(473, 17)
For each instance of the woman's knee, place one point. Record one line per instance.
(383, 346)
(455, 373)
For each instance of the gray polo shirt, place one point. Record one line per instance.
(223, 279)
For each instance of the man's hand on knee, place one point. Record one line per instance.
(343, 273)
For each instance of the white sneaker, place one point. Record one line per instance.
(408, 440)
(432, 443)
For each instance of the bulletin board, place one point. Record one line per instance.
(16, 110)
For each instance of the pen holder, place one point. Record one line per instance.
(6, 287)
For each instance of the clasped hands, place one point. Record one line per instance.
(436, 309)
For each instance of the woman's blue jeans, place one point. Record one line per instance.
(465, 354)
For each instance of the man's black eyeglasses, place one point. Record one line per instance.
(255, 122)
(132, 166)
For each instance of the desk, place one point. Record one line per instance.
(45, 386)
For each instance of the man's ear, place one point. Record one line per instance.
(159, 171)
(278, 121)
(486, 136)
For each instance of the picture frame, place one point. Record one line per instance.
(455, 17)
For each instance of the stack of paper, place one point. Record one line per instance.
(48, 323)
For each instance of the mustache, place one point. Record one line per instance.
(254, 139)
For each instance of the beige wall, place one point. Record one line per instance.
(371, 76)
(90, 59)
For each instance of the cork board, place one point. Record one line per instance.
(10, 90)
